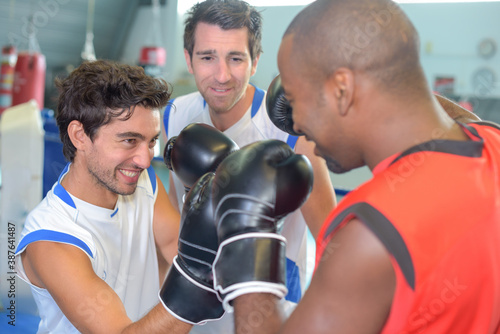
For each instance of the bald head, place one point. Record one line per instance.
(370, 36)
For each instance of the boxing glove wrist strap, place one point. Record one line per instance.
(189, 300)
(250, 263)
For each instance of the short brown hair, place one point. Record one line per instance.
(98, 91)
(227, 14)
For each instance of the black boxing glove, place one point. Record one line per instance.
(187, 292)
(253, 189)
(198, 149)
(278, 107)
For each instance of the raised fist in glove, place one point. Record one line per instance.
(253, 189)
(198, 149)
(278, 107)
(187, 292)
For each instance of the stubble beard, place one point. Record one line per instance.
(110, 182)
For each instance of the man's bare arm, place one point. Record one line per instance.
(166, 222)
(85, 299)
(350, 292)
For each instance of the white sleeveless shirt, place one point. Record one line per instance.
(119, 243)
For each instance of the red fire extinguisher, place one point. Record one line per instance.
(153, 59)
(29, 78)
(8, 63)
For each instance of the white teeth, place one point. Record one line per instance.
(220, 90)
(128, 173)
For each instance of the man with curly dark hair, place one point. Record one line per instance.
(91, 249)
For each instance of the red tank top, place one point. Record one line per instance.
(436, 208)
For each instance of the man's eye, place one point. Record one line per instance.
(130, 141)
(153, 142)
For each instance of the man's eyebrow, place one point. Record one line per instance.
(238, 53)
(205, 52)
(212, 52)
(130, 134)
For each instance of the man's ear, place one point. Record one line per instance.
(77, 135)
(342, 84)
(188, 61)
(254, 64)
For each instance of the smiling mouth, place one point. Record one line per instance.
(129, 173)
(220, 90)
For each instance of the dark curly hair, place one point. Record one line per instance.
(98, 91)
(227, 14)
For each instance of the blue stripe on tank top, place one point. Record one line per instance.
(47, 235)
(60, 192)
(114, 213)
(291, 141)
(293, 282)
(166, 115)
(258, 96)
(152, 177)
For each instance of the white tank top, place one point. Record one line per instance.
(119, 243)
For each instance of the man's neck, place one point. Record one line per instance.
(405, 126)
(82, 186)
(223, 121)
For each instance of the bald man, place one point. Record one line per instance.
(416, 248)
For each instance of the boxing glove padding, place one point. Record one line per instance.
(253, 189)
(198, 242)
(278, 107)
(258, 185)
(188, 292)
(250, 263)
(167, 152)
(198, 149)
(188, 300)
